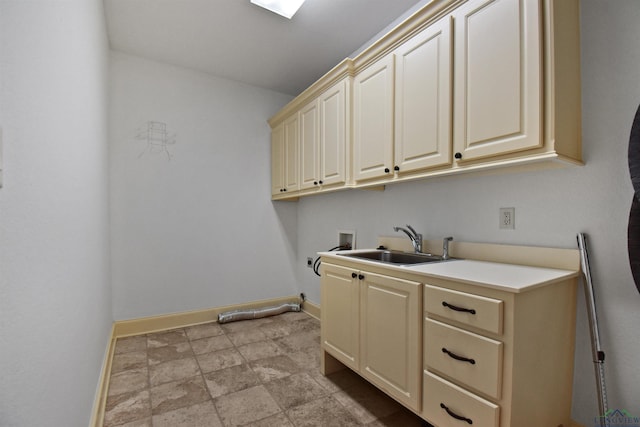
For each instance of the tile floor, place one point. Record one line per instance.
(262, 372)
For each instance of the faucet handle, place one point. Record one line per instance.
(445, 247)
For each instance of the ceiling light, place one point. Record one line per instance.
(286, 8)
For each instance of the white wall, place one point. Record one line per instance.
(197, 230)
(551, 206)
(55, 299)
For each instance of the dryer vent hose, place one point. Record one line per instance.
(232, 316)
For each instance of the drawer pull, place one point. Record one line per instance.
(454, 415)
(460, 358)
(453, 307)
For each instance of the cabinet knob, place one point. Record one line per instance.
(396, 168)
(320, 182)
(284, 189)
(386, 170)
(354, 275)
(315, 182)
(360, 276)
(458, 155)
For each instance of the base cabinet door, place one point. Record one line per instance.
(340, 334)
(390, 351)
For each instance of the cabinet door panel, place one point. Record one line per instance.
(309, 145)
(390, 348)
(291, 141)
(423, 99)
(277, 160)
(373, 120)
(333, 134)
(497, 83)
(340, 308)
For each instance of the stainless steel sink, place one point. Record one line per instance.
(395, 257)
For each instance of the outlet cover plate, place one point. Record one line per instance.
(507, 218)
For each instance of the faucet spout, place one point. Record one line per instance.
(415, 237)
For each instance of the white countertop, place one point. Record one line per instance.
(506, 277)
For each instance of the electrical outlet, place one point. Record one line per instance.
(507, 218)
(309, 262)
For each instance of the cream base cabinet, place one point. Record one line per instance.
(497, 78)
(423, 99)
(371, 323)
(390, 336)
(498, 359)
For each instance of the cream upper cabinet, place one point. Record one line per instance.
(309, 145)
(423, 99)
(373, 120)
(497, 78)
(284, 157)
(390, 352)
(334, 105)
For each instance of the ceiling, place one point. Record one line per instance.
(237, 40)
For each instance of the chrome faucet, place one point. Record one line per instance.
(445, 247)
(416, 238)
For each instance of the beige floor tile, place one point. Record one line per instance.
(222, 359)
(295, 390)
(272, 368)
(178, 394)
(131, 360)
(307, 360)
(128, 344)
(260, 350)
(325, 412)
(128, 381)
(246, 406)
(145, 422)
(175, 336)
(127, 407)
(173, 370)
(278, 420)
(246, 336)
(276, 329)
(207, 345)
(169, 352)
(230, 380)
(203, 331)
(337, 381)
(232, 327)
(299, 341)
(199, 415)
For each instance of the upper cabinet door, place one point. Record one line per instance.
(277, 160)
(333, 133)
(423, 99)
(291, 160)
(309, 145)
(373, 120)
(497, 77)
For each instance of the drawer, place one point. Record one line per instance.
(447, 405)
(468, 358)
(468, 309)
